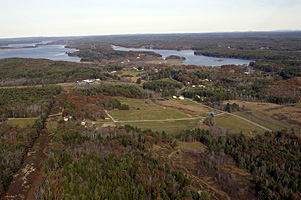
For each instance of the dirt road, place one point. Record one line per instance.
(26, 180)
(264, 128)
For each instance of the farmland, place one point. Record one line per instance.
(237, 125)
(145, 110)
(269, 114)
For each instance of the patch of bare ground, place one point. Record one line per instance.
(188, 109)
(288, 114)
(27, 180)
(219, 177)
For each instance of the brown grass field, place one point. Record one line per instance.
(183, 106)
(273, 115)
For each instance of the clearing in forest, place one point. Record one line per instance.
(21, 122)
(237, 125)
(170, 126)
(145, 109)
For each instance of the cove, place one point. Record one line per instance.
(38, 50)
(191, 59)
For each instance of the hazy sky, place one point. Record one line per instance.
(101, 17)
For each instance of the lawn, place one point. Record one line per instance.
(237, 125)
(142, 109)
(22, 122)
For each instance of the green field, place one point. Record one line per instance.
(141, 109)
(21, 122)
(130, 72)
(169, 127)
(263, 120)
(186, 102)
(236, 125)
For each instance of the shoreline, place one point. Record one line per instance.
(6, 50)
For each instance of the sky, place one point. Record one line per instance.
(28, 18)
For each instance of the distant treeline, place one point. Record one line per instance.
(19, 71)
(165, 87)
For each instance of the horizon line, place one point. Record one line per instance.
(170, 33)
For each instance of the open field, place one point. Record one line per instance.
(130, 73)
(236, 125)
(184, 106)
(170, 127)
(21, 122)
(288, 115)
(262, 119)
(142, 109)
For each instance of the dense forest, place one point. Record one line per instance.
(16, 141)
(27, 102)
(14, 144)
(21, 71)
(129, 91)
(110, 164)
(165, 87)
(81, 106)
(273, 159)
(197, 41)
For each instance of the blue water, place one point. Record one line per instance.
(192, 59)
(52, 52)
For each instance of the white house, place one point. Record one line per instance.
(88, 81)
